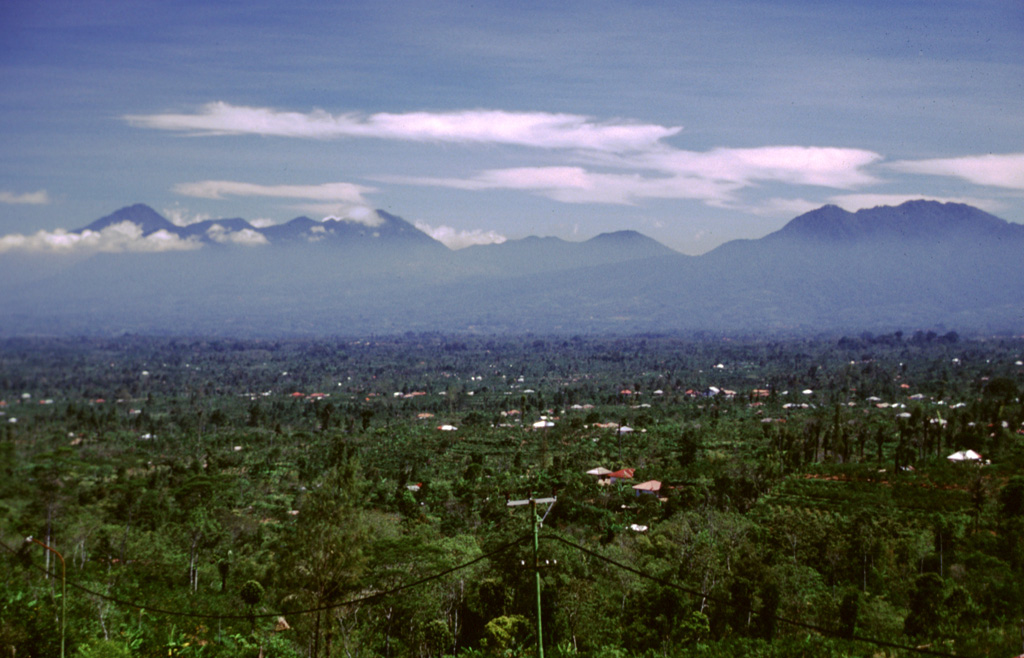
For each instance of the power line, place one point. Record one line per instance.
(499, 550)
(294, 613)
(793, 622)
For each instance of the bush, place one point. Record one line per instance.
(504, 633)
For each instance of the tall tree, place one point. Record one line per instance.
(323, 558)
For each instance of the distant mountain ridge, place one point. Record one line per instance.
(920, 265)
(928, 220)
(911, 220)
(394, 241)
(534, 254)
(384, 227)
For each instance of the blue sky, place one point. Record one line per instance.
(692, 122)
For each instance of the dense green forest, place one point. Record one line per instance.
(349, 497)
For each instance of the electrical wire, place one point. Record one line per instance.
(292, 613)
(793, 622)
(498, 551)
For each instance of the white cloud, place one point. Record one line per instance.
(713, 177)
(456, 239)
(338, 200)
(38, 198)
(246, 236)
(610, 162)
(841, 168)
(622, 162)
(995, 170)
(855, 202)
(122, 237)
(218, 189)
(577, 185)
(358, 214)
(181, 217)
(534, 129)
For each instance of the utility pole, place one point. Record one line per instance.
(537, 522)
(536, 573)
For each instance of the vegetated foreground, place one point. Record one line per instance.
(349, 497)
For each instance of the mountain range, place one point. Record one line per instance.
(922, 264)
(382, 229)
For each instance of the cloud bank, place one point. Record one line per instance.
(116, 238)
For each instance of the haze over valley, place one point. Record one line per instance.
(919, 265)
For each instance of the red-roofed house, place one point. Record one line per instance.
(622, 474)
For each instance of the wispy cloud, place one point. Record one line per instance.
(841, 168)
(456, 239)
(714, 177)
(567, 184)
(995, 170)
(610, 162)
(38, 198)
(218, 189)
(603, 162)
(577, 185)
(339, 200)
(122, 237)
(533, 129)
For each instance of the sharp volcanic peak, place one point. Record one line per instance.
(147, 219)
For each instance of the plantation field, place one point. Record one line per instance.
(350, 496)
